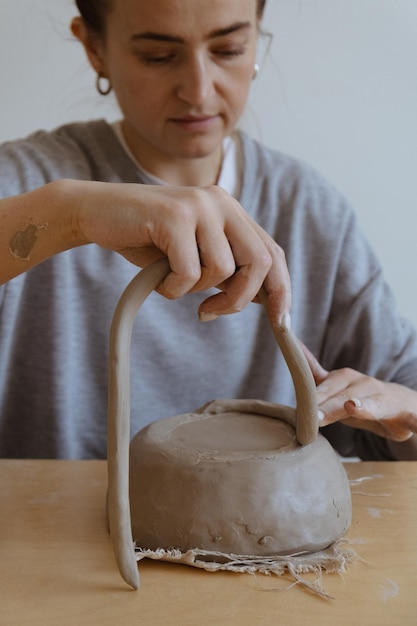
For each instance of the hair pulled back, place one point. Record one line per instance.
(94, 12)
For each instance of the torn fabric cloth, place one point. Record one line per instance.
(333, 559)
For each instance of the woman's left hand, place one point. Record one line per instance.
(345, 395)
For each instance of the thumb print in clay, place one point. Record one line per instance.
(242, 481)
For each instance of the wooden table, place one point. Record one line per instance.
(57, 566)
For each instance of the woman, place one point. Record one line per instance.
(174, 178)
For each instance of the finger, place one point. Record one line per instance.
(237, 291)
(180, 280)
(338, 386)
(180, 246)
(319, 373)
(381, 428)
(410, 420)
(252, 264)
(172, 228)
(333, 392)
(366, 414)
(370, 426)
(277, 283)
(185, 270)
(216, 258)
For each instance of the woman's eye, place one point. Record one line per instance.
(230, 52)
(156, 59)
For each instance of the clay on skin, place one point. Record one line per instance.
(22, 242)
(241, 477)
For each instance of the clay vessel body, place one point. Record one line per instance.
(235, 482)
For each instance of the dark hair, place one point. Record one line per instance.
(94, 12)
(261, 6)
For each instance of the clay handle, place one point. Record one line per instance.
(118, 416)
(307, 423)
(118, 426)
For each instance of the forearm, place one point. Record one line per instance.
(37, 225)
(209, 239)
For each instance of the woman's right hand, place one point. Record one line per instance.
(209, 239)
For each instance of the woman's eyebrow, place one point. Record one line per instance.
(237, 26)
(221, 32)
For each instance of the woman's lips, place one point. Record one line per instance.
(193, 123)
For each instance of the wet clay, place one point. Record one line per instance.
(235, 482)
(22, 242)
(241, 477)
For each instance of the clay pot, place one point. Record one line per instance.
(237, 482)
(241, 477)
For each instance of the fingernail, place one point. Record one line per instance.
(355, 401)
(285, 322)
(320, 415)
(207, 317)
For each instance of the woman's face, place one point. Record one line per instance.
(181, 71)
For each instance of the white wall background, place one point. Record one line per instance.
(339, 89)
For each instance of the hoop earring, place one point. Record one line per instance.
(106, 90)
(255, 71)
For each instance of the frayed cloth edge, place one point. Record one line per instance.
(333, 559)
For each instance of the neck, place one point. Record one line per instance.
(199, 171)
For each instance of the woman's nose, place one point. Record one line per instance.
(196, 81)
